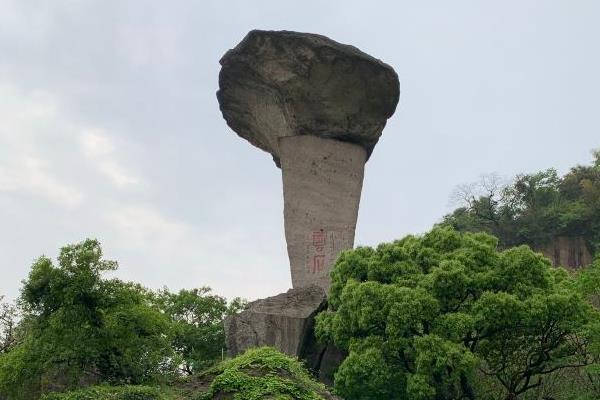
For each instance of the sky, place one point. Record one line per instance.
(110, 127)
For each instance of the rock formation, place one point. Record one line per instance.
(286, 322)
(568, 251)
(318, 107)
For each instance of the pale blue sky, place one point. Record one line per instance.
(110, 128)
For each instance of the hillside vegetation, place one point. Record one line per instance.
(448, 316)
(465, 311)
(75, 327)
(534, 208)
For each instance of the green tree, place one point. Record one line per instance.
(534, 208)
(8, 326)
(197, 333)
(423, 316)
(80, 328)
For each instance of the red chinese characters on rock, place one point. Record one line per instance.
(319, 241)
(322, 248)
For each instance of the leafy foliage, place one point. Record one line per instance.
(197, 333)
(535, 208)
(112, 393)
(79, 328)
(423, 316)
(264, 373)
(8, 326)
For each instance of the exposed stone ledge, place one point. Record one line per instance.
(285, 322)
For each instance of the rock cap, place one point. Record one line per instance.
(281, 83)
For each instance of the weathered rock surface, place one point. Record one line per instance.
(276, 84)
(331, 359)
(284, 322)
(319, 107)
(568, 251)
(322, 183)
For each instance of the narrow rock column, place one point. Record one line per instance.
(322, 182)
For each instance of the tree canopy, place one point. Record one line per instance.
(422, 317)
(79, 327)
(534, 208)
(8, 325)
(197, 334)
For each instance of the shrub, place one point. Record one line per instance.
(112, 393)
(422, 316)
(264, 373)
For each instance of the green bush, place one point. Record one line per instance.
(264, 373)
(423, 318)
(77, 324)
(112, 393)
(79, 328)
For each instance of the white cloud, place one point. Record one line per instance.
(40, 146)
(100, 149)
(24, 164)
(31, 175)
(143, 226)
(59, 164)
(178, 254)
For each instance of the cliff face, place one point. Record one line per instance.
(568, 251)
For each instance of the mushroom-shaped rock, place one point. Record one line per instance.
(280, 83)
(319, 108)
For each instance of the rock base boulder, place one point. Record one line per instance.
(286, 322)
(283, 322)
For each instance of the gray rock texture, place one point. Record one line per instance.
(322, 182)
(279, 83)
(567, 251)
(330, 361)
(285, 321)
(318, 107)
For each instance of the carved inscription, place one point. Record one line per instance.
(322, 250)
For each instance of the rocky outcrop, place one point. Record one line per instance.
(285, 322)
(322, 183)
(258, 373)
(568, 251)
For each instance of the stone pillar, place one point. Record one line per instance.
(322, 182)
(319, 108)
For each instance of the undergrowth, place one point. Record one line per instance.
(264, 373)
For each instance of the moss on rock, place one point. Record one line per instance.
(263, 373)
(259, 373)
(105, 392)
